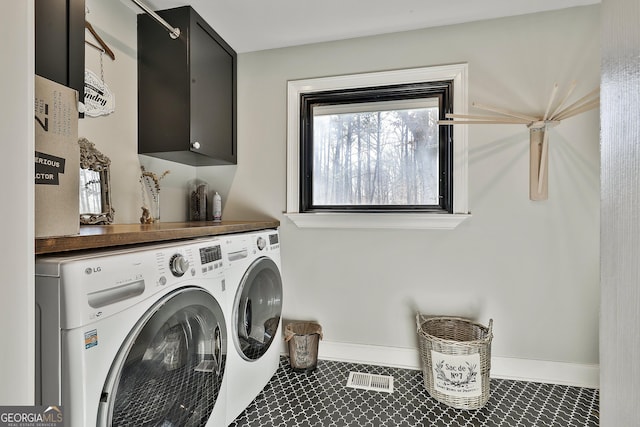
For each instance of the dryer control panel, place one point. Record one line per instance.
(269, 241)
(274, 241)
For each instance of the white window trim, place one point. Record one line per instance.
(295, 88)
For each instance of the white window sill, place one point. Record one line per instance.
(405, 221)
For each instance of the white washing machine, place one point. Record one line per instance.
(133, 337)
(254, 282)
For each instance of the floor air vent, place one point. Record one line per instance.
(370, 382)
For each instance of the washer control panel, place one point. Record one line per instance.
(178, 265)
(210, 254)
(210, 257)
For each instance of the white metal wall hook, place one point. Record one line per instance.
(554, 113)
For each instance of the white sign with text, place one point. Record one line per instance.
(456, 375)
(98, 99)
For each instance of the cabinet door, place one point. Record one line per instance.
(59, 42)
(163, 87)
(213, 98)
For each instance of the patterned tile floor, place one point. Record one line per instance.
(320, 398)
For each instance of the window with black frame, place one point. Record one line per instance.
(377, 149)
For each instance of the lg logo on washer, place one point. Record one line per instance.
(90, 270)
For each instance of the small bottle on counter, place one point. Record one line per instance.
(198, 195)
(217, 208)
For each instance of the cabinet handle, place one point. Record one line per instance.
(195, 145)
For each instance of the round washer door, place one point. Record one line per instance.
(169, 371)
(257, 309)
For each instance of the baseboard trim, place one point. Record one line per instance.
(540, 371)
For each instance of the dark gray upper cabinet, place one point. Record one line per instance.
(59, 42)
(186, 91)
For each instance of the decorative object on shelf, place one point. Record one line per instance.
(198, 199)
(150, 188)
(217, 207)
(95, 185)
(538, 130)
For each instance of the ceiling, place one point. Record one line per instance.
(251, 25)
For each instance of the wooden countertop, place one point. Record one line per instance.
(101, 236)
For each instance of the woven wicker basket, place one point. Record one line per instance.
(456, 360)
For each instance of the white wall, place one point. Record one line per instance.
(531, 266)
(16, 207)
(116, 135)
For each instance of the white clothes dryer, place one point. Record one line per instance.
(133, 337)
(253, 278)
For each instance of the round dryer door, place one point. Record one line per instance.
(169, 370)
(257, 308)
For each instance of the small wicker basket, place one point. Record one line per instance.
(456, 360)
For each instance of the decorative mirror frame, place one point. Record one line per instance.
(91, 158)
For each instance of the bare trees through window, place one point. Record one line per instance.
(374, 158)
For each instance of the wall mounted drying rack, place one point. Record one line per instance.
(174, 33)
(538, 130)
